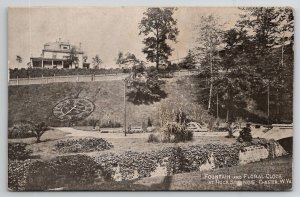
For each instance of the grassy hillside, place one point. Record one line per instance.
(35, 102)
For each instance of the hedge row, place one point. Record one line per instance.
(82, 145)
(30, 72)
(175, 159)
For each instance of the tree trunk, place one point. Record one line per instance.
(157, 56)
(277, 106)
(211, 83)
(227, 115)
(38, 139)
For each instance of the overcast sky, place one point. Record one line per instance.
(102, 31)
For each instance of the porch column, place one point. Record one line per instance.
(52, 63)
(42, 63)
(62, 63)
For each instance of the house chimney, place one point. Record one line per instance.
(59, 39)
(79, 45)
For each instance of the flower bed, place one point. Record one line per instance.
(82, 145)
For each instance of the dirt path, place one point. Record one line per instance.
(79, 133)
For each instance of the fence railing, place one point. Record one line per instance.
(87, 78)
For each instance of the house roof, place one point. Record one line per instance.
(46, 59)
(58, 47)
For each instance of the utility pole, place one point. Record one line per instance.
(125, 107)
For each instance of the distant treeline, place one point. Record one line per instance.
(34, 72)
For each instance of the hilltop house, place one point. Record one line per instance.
(60, 55)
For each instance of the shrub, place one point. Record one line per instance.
(72, 171)
(111, 124)
(131, 165)
(82, 145)
(39, 130)
(153, 138)
(149, 122)
(245, 135)
(175, 132)
(21, 130)
(17, 151)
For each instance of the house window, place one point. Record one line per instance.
(54, 55)
(65, 46)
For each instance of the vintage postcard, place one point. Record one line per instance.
(150, 98)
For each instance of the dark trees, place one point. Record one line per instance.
(96, 61)
(158, 26)
(144, 85)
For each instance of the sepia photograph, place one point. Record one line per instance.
(150, 98)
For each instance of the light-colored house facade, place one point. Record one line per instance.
(59, 55)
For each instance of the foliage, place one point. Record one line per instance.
(159, 27)
(255, 60)
(35, 72)
(97, 61)
(209, 39)
(127, 61)
(18, 171)
(19, 59)
(153, 138)
(174, 160)
(73, 57)
(189, 62)
(144, 86)
(149, 122)
(85, 57)
(270, 55)
(82, 145)
(175, 132)
(20, 130)
(39, 129)
(182, 112)
(63, 171)
(18, 151)
(111, 124)
(245, 135)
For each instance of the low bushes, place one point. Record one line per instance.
(153, 138)
(131, 165)
(245, 135)
(77, 171)
(82, 145)
(72, 171)
(175, 132)
(33, 72)
(21, 130)
(17, 151)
